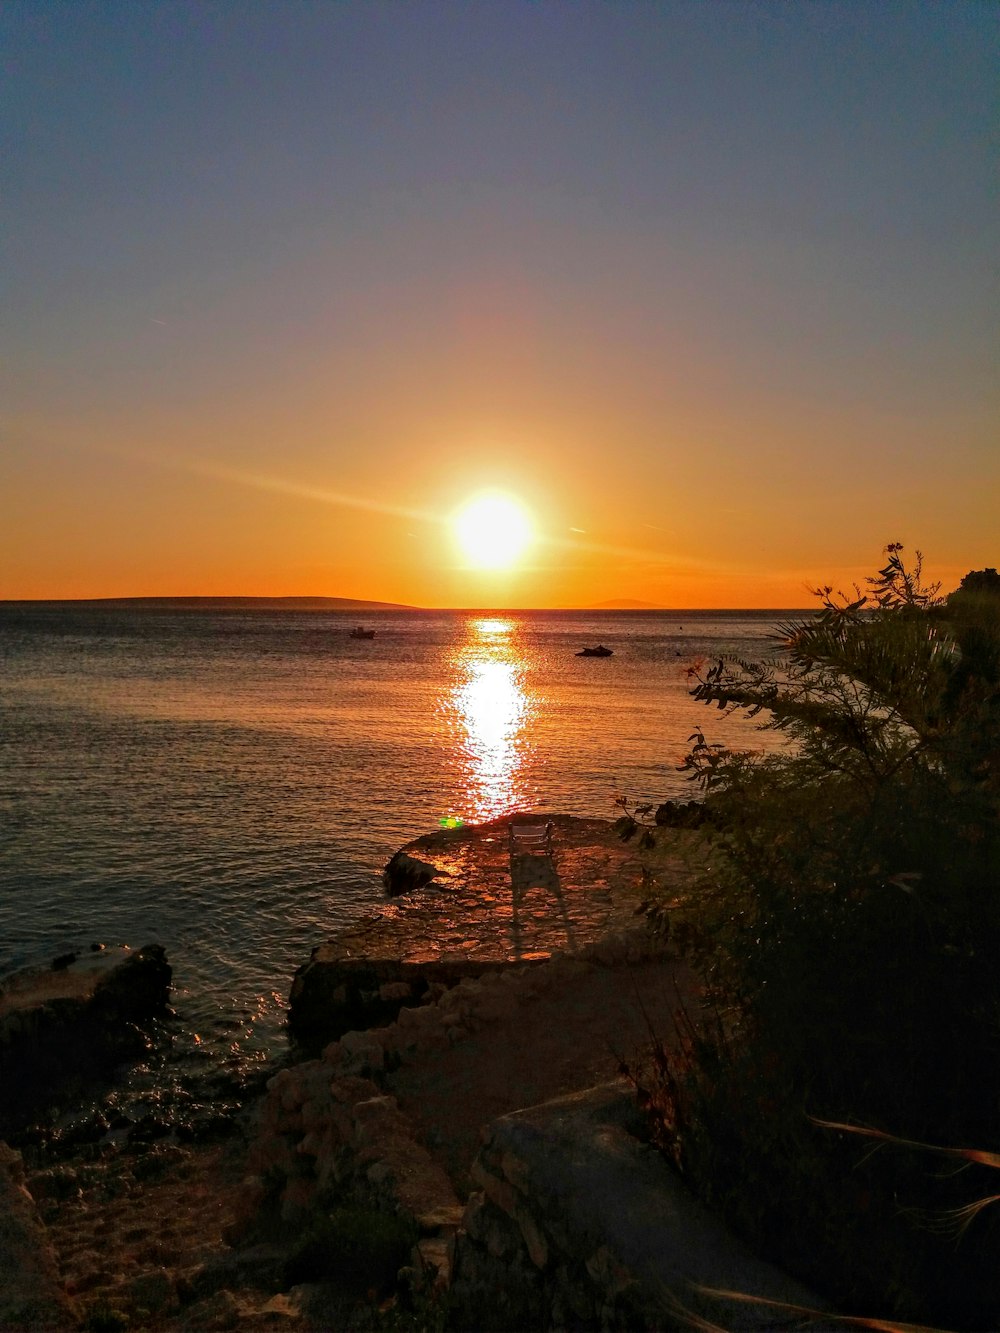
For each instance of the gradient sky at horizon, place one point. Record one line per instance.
(710, 287)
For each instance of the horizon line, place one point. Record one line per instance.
(372, 605)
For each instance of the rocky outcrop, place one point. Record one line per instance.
(325, 1134)
(578, 1223)
(404, 873)
(75, 1021)
(31, 1296)
(332, 995)
(574, 1221)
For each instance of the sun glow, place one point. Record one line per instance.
(492, 531)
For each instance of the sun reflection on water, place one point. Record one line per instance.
(490, 710)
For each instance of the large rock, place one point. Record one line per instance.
(75, 1021)
(581, 1224)
(31, 1296)
(404, 873)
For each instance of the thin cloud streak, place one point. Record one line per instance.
(178, 462)
(321, 495)
(338, 499)
(302, 491)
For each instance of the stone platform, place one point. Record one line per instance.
(486, 909)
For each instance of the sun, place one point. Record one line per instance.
(492, 530)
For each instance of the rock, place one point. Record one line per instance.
(220, 1311)
(258, 1266)
(334, 995)
(395, 990)
(154, 1291)
(680, 814)
(404, 873)
(552, 1230)
(470, 920)
(297, 1198)
(62, 1028)
(31, 1296)
(138, 988)
(282, 1306)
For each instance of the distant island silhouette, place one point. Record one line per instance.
(214, 603)
(358, 606)
(626, 604)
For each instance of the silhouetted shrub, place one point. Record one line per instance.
(849, 937)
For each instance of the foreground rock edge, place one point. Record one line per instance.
(577, 1222)
(600, 1231)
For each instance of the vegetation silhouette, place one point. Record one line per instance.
(848, 931)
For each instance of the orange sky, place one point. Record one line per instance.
(708, 289)
(137, 521)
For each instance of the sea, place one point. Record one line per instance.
(230, 784)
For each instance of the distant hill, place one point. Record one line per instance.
(626, 604)
(217, 604)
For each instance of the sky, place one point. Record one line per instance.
(707, 288)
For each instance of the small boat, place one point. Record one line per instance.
(599, 651)
(359, 632)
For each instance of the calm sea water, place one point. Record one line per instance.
(231, 784)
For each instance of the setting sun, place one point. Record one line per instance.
(492, 531)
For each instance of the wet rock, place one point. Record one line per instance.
(404, 873)
(137, 988)
(58, 1182)
(159, 1162)
(61, 1029)
(149, 1129)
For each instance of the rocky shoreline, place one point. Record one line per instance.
(74, 1021)
(354, 1193)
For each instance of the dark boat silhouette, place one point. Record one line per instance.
(599, 651)
(359, 632)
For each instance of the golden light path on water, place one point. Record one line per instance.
(490, 711)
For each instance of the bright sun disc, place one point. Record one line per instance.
(492, 531)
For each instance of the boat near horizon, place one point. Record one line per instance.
(359, 632)
(599, 651)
